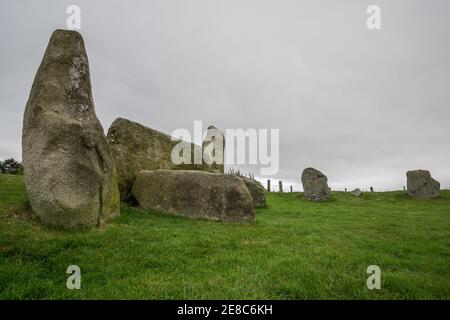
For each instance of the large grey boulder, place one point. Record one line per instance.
(356, 192)
(315, 185)
(70, 176)
(256, 190)
(135, 148)
(195, 194)
(420, 184)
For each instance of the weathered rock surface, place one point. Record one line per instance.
(420, 184)
(356, 192)
(213, 149)
(256, 190)
(315, 185)
(69, 172)
(135, 148)
(195, 194)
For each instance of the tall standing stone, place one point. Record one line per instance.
(420, 184)
(69, 172)
(214, 150)
(315, 185)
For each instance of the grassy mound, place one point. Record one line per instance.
(295, 250)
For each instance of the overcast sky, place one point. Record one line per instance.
(361, 106)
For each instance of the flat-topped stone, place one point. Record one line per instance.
(195, 194)
(356, 192)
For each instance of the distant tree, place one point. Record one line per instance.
(11, 166)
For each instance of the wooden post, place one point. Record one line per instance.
(280, 185)
(291, 188)
(268, 185)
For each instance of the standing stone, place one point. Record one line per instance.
(69, 172)
(280, 186)
(371, 189)
(291, 188)
(135, 148)
(357, 192)
(213, 150)
(268, 185)
(315, 185)
(420, 184)
(195, 194)
(256, 190)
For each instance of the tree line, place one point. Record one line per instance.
(11, 166)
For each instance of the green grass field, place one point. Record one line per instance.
(295, 250)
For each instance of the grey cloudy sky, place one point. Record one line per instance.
(362, 106)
